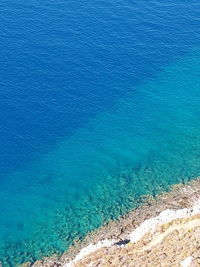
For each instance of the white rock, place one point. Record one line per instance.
(148, 225)
(90, 249)
(186, 262)
(164, 217)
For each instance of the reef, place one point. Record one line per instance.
(165, 231)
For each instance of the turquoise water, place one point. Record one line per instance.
(147, 141)
(99, 105)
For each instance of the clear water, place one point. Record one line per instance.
(99, 105)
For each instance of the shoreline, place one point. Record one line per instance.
(179, 200)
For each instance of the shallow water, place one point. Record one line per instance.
(100, 105)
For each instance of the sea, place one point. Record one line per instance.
(99, 107)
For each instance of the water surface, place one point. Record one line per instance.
(99, 106)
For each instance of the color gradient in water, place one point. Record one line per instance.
(99, 106)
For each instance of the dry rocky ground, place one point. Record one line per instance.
(169, 245)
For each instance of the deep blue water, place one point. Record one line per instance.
(99, 105)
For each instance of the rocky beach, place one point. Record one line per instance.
(165, 231)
